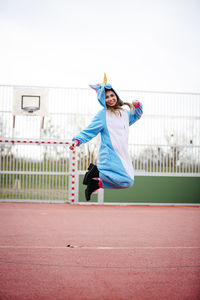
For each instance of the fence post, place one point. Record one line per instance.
(101, 196)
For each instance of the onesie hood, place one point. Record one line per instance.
(101, 91)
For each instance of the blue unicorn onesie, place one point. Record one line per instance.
(114, 163)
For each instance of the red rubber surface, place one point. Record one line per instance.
(153, 252)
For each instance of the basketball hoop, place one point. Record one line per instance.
(30, 103)
(30, 109)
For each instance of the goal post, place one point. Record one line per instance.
(38, 170)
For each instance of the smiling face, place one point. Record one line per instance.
(111, 98)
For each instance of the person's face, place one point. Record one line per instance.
(111, 98)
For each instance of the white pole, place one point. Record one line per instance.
(101, 196)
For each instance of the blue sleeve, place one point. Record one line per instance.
(91, 130)
(136, 115)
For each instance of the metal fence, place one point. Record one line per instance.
(165, 141)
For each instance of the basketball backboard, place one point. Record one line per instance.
(30, 101)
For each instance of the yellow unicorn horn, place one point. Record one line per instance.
(105, 79)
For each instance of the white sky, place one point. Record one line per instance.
(140, 44)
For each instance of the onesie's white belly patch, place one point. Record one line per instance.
(118, 128)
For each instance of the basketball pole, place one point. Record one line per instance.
(13, 128)
(42, 127)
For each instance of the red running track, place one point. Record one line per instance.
(120, 252)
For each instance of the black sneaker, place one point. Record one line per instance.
(93, 172)
(92, 186)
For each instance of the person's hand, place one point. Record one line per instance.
(136, 103)
(73, 145)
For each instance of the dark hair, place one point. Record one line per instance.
(119, 103)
